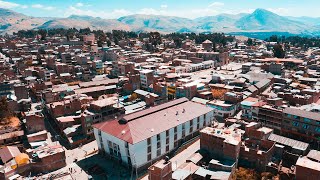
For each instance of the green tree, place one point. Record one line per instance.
(278, 51)
(43, 34)
(4, 109)
(273, 38)
(250, 42)
(178, 42)
(109, 43)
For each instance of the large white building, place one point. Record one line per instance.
(143, 137)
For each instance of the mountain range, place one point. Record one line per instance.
(260, 21)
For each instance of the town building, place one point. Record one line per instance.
(140, 138)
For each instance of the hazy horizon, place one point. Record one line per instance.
(191, 9)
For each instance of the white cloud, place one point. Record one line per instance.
(40, 6)
(8, 5)
(24, 6)
(116, 13)
(79, 4)
(280, 11)
(164, 6)
(216, 4)
(150, 11)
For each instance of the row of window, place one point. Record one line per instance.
(305, 126)
(307, 120)
(114, 149)
(149, 153)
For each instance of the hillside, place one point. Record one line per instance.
(11, 21)
(84, 22)
(260, 20)
(263, 20)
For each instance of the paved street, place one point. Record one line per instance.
(181, 158)
(80, 152)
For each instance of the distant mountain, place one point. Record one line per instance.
(11, 21)
(263, 20)
(260, 21)
(306, 20)
(78, 22)
(222, 22)
(157, 23)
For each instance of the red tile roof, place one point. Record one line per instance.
(150, 122)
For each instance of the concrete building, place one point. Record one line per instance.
(21, 91)
(143, 137)
(146, 78)
(34, 122)
(207, 45)
(307, 169)
(222, 109)
(223, 143)
(301, 125)
(161, 170)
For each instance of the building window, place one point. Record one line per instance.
(295, 123)
(175, 130)
(158, 152)
(204, 116)
(286, 121)
(167, 133)
(167, 140)
(167, 148)
(296, 117)
(149, 157)
(158, 144)
(317, 129)
(307, 120)
(114, 149)
(305, 126)
(149, 141)
(149, 149)
(176, 144)
(175, 136)
(183, 133)
(190, 130)
(158, 137)
(109, 144)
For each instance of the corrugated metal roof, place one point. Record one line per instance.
(302, 113)
(288, 142)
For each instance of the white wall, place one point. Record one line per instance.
(139, 151)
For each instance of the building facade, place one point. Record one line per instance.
(144, 137)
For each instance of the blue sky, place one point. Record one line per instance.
(181, 8)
